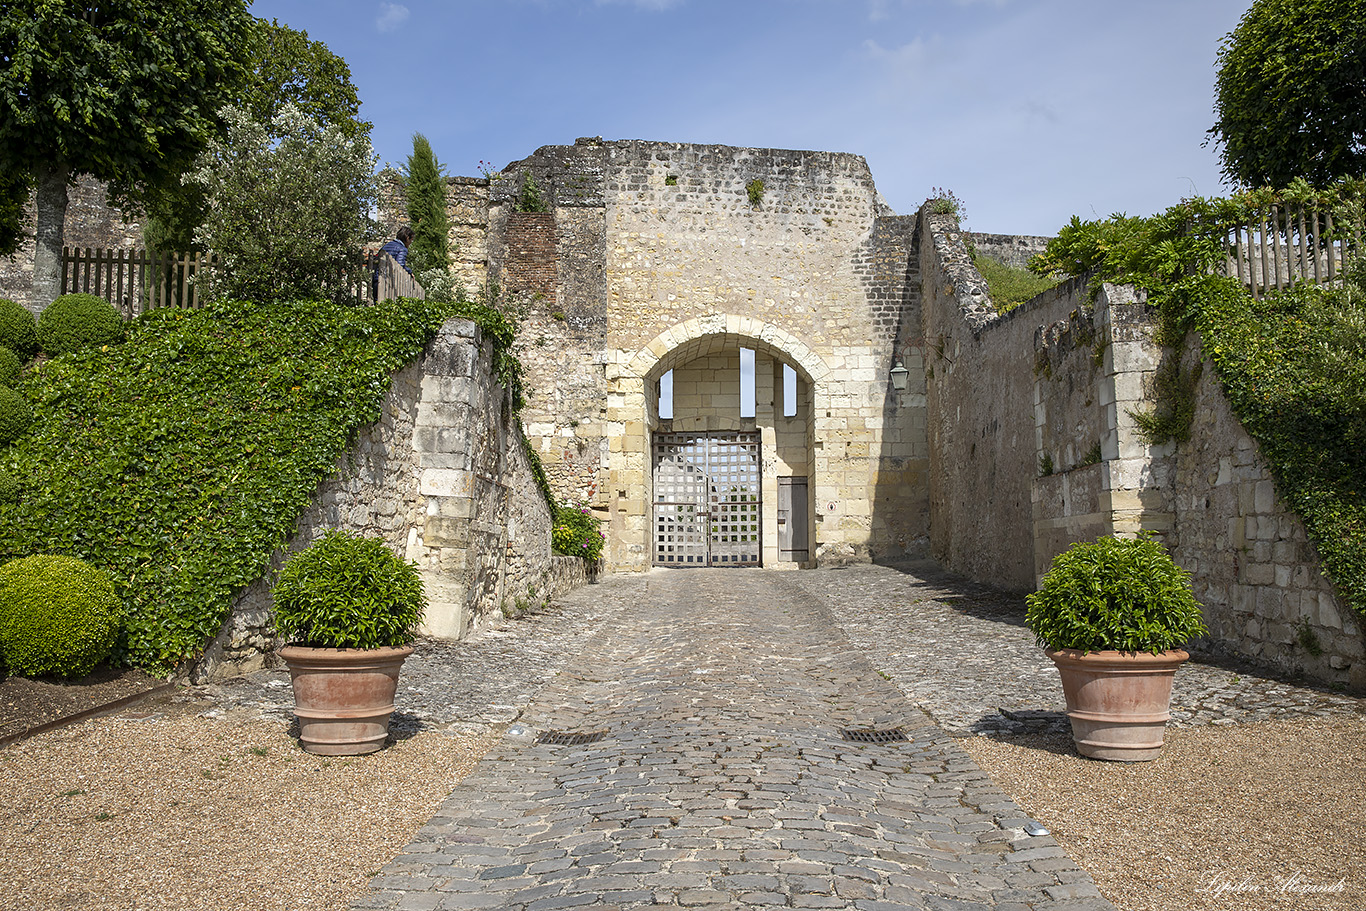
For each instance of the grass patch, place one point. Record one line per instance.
(1009, 286)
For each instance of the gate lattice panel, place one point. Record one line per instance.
(707, 509)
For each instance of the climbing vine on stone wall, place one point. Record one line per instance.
(1293, 364)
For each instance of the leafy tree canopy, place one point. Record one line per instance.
(288, 205)
(287, 68)
(1290, 96)
(127, 91)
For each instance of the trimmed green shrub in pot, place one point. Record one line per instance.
(76, 321)
(18, 329)
(348, 591)
(58, 615)
(11, 368)
(15, 415)
(1115, 594)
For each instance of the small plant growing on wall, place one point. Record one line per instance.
(529, 199)
(755, 189)
(671, 180)
(578, 533)
(942, 202)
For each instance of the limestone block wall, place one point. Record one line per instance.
(659, 244)
(981, 410)
(444, 479)
(1252, 565)
(1014, 250)
(1094, 372)
(90, 222)
(1212, 499)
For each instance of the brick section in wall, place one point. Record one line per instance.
(530, 263)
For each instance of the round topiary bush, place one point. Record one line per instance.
(18, 329)
(58, 616)
(11, 368)
(1115, 594)
(347, 591)
(15, 415)
(76, 321)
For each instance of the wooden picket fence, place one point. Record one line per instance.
(136, 281)
(1289, 244)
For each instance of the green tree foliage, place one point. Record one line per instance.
(126, 92)
(13, 194)
(289, 205)
(425, 187)
(1289, 93)
(287, 68)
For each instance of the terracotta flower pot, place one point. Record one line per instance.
(1118, 702)
(343, 697)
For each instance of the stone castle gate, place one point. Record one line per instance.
(655, 262)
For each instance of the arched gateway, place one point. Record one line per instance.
(728, 466)
(659, 264)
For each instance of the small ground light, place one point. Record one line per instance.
(1033, 828)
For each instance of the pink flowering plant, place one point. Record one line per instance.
(577, 532)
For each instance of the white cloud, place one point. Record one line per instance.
(391, 16)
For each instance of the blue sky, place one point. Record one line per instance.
(1030, 111)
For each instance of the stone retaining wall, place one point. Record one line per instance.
(443, 478)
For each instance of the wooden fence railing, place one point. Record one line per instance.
(1289, 244)
(136, 281)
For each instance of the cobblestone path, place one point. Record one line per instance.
(722, 777)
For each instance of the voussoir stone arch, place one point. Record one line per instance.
(694, 337)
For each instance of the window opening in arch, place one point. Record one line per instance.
(666, 396)
(789, 391)
(746, 382)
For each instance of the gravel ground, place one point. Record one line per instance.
(178, 810)
(1269, 815)
(205, 801)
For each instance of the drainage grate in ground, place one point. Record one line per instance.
(570, 738)
(869, 735)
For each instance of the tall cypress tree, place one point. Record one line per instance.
(425, 185)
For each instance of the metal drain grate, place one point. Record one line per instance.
(868, 735)
(570, 738)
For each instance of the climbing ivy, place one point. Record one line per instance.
(1293, 365)
(179, 460)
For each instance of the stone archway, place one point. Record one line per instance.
(633, 420)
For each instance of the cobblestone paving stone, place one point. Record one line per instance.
(962, 653)
(464, 687)
(722, 779)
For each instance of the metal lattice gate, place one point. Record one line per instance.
(707, 509)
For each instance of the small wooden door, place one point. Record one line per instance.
(793, 543)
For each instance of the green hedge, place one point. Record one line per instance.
(18, 329)
(11, 368)
(58, 616)
(15, 415)
(76, 321)
(179, 460)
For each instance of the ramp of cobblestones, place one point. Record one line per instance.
(722, 777)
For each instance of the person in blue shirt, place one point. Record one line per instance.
(398, 249)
